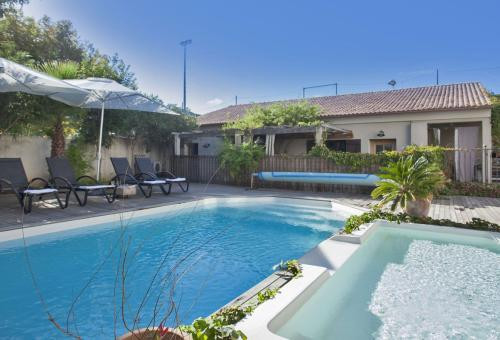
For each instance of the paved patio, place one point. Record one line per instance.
(457, 208)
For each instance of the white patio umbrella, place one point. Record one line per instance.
(107, 93)
(18, 78)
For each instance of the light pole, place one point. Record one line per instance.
(184, 44)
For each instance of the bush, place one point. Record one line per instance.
(472, 189)
(354, 222)
(239, 159)
(76, 156)
(361, 161)
(278, 114)
(291, 266)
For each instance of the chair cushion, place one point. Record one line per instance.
(95, 187)
(39, 191)
(154, 182)
(178, 179)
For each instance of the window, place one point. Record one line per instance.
(381, 145)
(344, 145)
(193, 149)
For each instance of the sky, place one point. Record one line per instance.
(263, 50)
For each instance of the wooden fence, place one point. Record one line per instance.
(207, 169)
(458, 165)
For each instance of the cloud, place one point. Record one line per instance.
(215, 102)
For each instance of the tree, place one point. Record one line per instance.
(155, 130)
(279, 114)
(57, 113)
(34, 43)
(8, 5)
(495, 120)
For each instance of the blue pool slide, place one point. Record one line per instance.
(319, 177)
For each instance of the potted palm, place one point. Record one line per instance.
(409, 184)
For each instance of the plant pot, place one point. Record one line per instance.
(150, 333)
(419, 208)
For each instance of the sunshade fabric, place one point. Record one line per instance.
(115, 96)
(18, 78)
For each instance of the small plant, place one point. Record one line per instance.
(206, 329)
(355, 221)
(230, 315)
(77, 157)
(356, 162)
(407, 181)
(472, 189)
(267, 294)
(291, 266)
(241, 158)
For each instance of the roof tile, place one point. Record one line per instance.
(431, 98)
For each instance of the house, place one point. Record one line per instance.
(456, 115)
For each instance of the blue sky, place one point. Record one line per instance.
(269, 50)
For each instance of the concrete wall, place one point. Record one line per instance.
(122, 147)
(34, 150)
(294, 147)
(213, 145)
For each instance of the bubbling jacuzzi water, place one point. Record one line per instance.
(405, 283)
(439, 291)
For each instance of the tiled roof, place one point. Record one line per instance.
(420, 99)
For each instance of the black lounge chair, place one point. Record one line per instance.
(125, 175)
(13, 179)
(144, 165)
(64, 179)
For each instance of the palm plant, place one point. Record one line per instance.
(61, 70)
(406, 181)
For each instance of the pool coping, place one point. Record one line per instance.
(73, 224)
(326, 258)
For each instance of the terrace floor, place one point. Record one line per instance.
(457, 208)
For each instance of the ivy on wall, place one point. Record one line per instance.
(360, 161)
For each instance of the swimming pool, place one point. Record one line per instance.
(228, 245)
(411, 283)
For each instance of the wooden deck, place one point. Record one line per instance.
(457, 208)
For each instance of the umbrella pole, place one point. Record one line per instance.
(98, 175)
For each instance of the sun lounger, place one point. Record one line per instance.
(125, 175)
(63, 177)
(144, 165)
(13, 179)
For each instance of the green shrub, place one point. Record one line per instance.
(291, 266)
(206, 329)
(77, 157)
(267, 294)
(354, 222)
(230, 315)
(220, 325)
(471, 189)
(355, 161)
(278, 114)
(239, 159)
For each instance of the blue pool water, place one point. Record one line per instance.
(212, 252)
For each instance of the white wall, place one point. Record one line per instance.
(34, 150)
(294, 147)
(410, 128)
(214, 145)
(122, 147)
